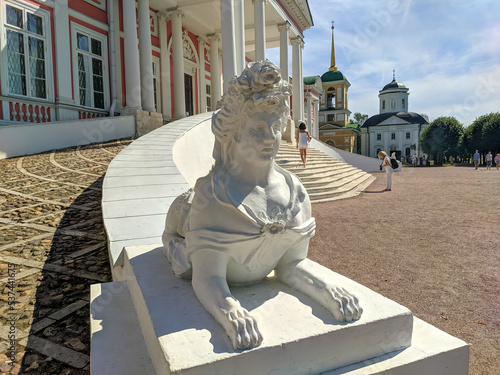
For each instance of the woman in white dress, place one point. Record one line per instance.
(303, 139)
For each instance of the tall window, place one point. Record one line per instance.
(408, 135)
(329, 117)
(383, 104)
(403, 103)
(379, 137)
(26, 48)
(155, 84)
(209, 99)
(393, 135)
(90, 71)
(188, 90)
(330, 98)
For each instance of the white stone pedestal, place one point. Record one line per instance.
(300, 336)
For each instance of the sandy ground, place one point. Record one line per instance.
(432, 244)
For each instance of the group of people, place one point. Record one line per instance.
(488, 158)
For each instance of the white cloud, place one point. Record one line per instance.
(446, 52)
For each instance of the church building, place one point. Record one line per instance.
(394, 129)
(333, 118)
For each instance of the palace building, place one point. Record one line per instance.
(157, 60)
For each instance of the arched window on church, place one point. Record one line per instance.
(330, 142)
(383, 104)
(330, 97)
(403, 103)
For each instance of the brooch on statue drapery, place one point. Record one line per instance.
(273, 228)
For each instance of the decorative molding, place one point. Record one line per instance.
(153, 23)
(187, 49)
(101, 4)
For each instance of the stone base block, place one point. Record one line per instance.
(300, 336)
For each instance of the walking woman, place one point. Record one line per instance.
(388, 168)
(303, 139)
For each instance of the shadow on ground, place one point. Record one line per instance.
(59, 339)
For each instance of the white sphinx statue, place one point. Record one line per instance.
(248, 216)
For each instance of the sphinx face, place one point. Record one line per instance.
(260, 138)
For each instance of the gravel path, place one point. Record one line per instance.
(432, 244)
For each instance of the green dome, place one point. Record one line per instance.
(332, 75)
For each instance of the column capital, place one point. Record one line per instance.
(297, 40)
(162, 15)
(213, 37)
(220, 52)
(174, 12)
(201, 40)
(284, 26)
(262, 1)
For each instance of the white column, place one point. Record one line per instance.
(178, 65)
(228, 42)
(63, 60)
(316, 119)
(166, 99)
(301, 80)
(201, 77)
(260, 29)
(132, 71)
(215, 81)
(118, 67)
(146, 60)
(309, 114)
(297, 85)
(239, 33)
(284, 30)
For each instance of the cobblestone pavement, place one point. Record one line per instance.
(52, 248)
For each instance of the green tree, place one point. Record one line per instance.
(359, 118)
(483, 134)
(441, 137)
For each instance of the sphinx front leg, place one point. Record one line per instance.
(211, 289)
(300, 274)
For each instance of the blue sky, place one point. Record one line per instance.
(447, 52)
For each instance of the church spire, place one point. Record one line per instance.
(333, 66)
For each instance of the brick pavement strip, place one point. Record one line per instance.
(51, 232)
(58, 352)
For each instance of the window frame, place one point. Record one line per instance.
(45, 15)
(76, 28)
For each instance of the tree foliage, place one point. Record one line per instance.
(441, 137)
(483, 134)
(359, 118)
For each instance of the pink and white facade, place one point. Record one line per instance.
(64, 60)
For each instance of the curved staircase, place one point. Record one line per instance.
(324, 177)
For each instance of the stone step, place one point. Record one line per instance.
(324, 177)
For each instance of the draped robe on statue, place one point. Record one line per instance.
(253, 241)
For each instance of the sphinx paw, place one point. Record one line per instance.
(343, 305)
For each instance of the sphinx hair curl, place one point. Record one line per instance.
(258, 88)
